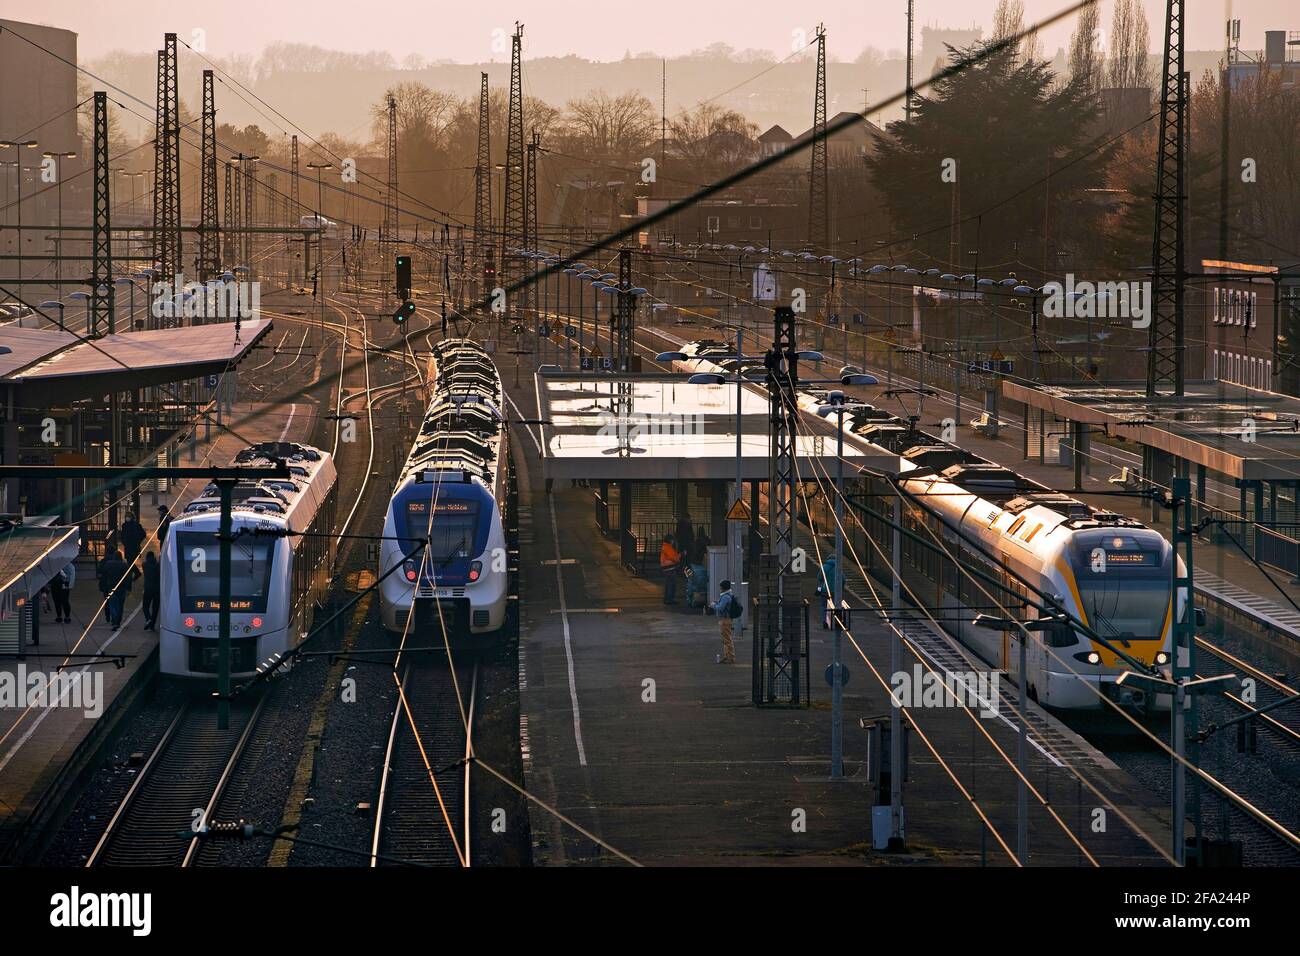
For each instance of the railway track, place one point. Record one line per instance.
(1284, 723)
(179, 787)
(414, 822)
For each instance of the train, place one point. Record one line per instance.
(455, 493)
(328, 227)
(278, 577)
(1105, 573)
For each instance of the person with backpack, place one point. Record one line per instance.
(728, 608)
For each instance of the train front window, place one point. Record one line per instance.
(1123, 607)
(451, 533)
(198, 572)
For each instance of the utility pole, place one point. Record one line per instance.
(910, 92)
(483, 174)
(101, 282)
(209, 234)
(514, 222)
(391, 224)
(167, 165)
(1165, 358)
(818, 211)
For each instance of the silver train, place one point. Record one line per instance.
(276, 581)
(455, 492)
(1108, 572)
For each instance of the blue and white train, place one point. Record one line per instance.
(277, 580)
(1108, 572)
(455, 493)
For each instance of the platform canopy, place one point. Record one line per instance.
(604, 427)
(1242, 433)
(30, 556)
(44, 365)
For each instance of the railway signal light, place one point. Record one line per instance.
(404, 312)
(403, 277)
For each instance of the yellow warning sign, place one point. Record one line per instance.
(739, 511)
(595, 352)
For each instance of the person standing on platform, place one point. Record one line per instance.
(132, 537)
(114, 583)
(60, 591)
(727, 609)
(164, 522)
(152, 590)
(670, 562)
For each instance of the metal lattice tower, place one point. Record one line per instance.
(624, 332)
(167, 164)
(293, 148)
(910, 93)
(101, 275)
(250, 200)
(209, 228)
(513, 223)
(390, 206)
(1165, 356)
(782, 363)
(483, 172)
(818, 214)
(531, 241)
(238, 207)
(228, 213)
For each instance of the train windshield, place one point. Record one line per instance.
(452, 532)
(1124, 583)
(198, 572)
(1125, 609)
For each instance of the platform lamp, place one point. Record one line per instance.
(54, 304)
(18, 146)
(58, 158)
(84, 297)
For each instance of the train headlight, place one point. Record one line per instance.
(189, 622)
(1162, 658)
(475, 569)
(257, 622)
(410, 572)
(1094, 657)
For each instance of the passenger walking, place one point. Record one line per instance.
(670, 563)
(132, 537)
(727, 608)
(60, 594)
(152, 588)
(114, 584)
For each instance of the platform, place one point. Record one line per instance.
(634, 732)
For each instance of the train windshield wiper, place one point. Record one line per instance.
(451, 554)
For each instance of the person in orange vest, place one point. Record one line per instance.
(670, 563)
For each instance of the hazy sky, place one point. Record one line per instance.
(438, 29)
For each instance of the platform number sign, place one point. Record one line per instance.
(545, 330)
(833, 318)
(212, 381)
(571, 331)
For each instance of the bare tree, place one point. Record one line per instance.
(1085, 58)
(422, 113)
(711, 139)
(1009, 20)
(610, 127)
(1129, 67)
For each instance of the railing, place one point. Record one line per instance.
(1278, 551)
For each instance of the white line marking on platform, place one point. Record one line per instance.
(564, 609)
(45, 712)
